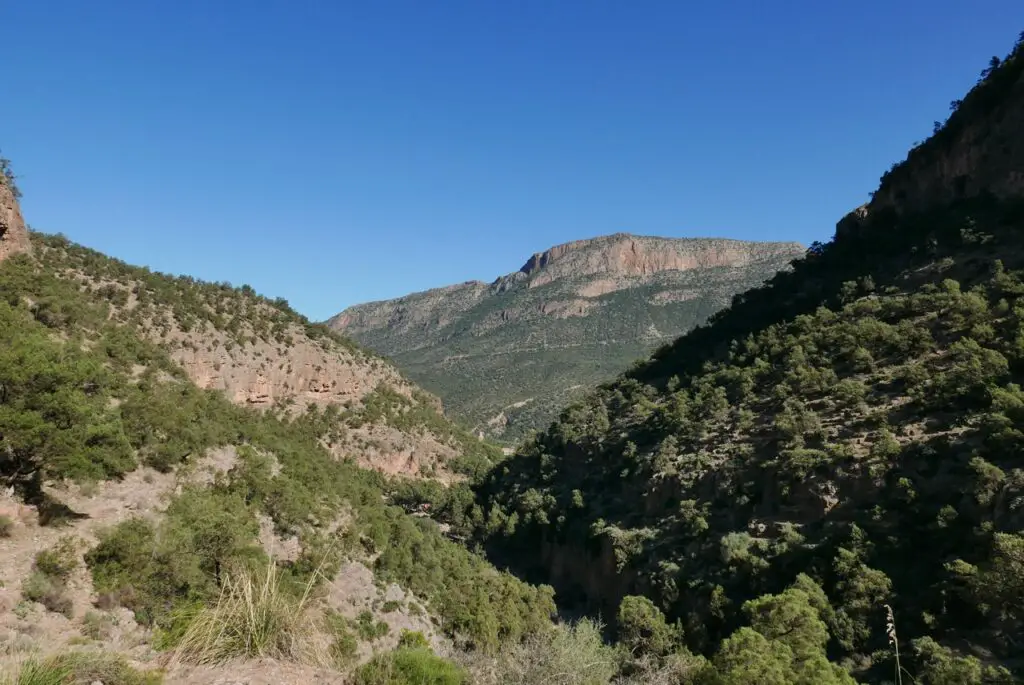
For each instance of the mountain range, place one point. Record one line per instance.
(505, 356)
(820, 483)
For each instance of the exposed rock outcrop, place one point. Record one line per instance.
(978, 150)
(14, 236)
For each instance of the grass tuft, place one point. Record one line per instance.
(82, 667)
(254, 617)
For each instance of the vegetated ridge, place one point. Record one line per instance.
(178, 458)
(839, 448)
(505, 356)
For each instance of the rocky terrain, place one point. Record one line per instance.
(182, 460)
(261, 354)
(505, 356)
(14, 237)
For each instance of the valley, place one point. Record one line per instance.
(792, 466)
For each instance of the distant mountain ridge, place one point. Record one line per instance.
(505, 355)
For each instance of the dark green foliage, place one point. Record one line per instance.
(47, 584)
(643, 630)
(368, 628)
(154, 570)
(7, 177)
(409, 666)
(55, 419)
(344, 643)
(854, 427)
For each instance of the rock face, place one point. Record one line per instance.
(978, 150)
(13, 232)
(505, 356)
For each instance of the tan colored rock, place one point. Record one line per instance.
(13, 232)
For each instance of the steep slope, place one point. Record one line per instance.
(260, 353)
(504, 356)
(851, 431)
(13, 232)
(140, 505)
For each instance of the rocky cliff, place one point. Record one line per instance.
(978, 150)
(14, 236)
(504, 356)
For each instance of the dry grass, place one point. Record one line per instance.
(254, 617)
(569, 655)
(71, 668)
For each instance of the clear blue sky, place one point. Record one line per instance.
(335, 152)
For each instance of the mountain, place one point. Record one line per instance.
(505, 356)
(167, 445)
(841, 446)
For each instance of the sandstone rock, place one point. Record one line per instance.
(13, 232)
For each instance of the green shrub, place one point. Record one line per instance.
(407, 666)
(6, 526)
(60, 560)
(98, 626)
(48, 591)
(85, 667)
(413, 639)
(564, 655)
(368, 628)
(344, 643)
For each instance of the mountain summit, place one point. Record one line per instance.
(504, 356)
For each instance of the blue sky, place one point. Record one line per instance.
(334, 152)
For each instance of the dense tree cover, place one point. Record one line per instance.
(844, 438)
(872, 444)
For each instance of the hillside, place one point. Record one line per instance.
(185, 498)
(505, 356)
(165, 444)
(261, 354)
(848, 435)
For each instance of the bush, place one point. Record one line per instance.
(6, 526)
(253, 618)
(370, 629)
(48, 591)
(405, 666)
(344, 643)
(643, 630)
(413, 639)
(84, 667)
(59, 561)
(566, 655)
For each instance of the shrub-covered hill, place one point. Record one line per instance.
(262, 354)
(855, 427)
(104, 442)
